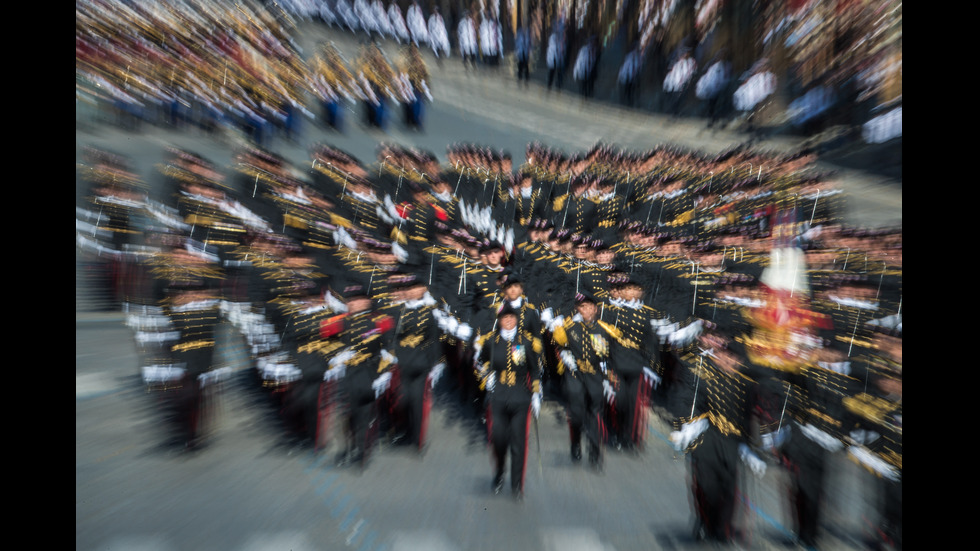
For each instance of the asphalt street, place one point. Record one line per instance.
(248, 489)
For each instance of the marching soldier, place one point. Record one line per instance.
(358, 337)
(713, 427)
(191, 283)
(506, 365)
(635, 362)
(876, 442)
(418, 356)
(586, 346)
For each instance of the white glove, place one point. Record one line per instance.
(827, 441)
(775, 440)
(491, 381)
(555, 323)
(757, 465)
(652, 378)
(608, 392)
(689, 431)
(536, 404)
(568, 359)
(391, 358)
(862, 437)
(400, 253)
(335, 373)
(464, 332)
(436, 373)
(341, 359)
(381, 384)
(603, 367)
(451, 325)
(547, 315)
(874, 463)
(440, 318)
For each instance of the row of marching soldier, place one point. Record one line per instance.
(721, 290)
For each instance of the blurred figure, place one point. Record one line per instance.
(358, 338)
(377, 81)
(711, 87)
(676, 82)
(416, 24)
(415, 87)
(468, 42)
(629, 74)
(417, 358)
(522, 51)
(585, 67)
(758, 85)
(438, 36)
(556, 55)
(398, 26)
(490, 39)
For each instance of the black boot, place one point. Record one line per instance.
(595, 458)
(498, 483)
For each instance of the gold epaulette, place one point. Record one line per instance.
(294, 221)
(193, 345)
(559, 202)
(613, 331)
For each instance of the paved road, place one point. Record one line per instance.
(249, 490)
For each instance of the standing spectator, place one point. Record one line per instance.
(677, 81)
(398, 26)
(710, 88)
(416, 24)
(758, 84)
(522, 49)
(628, 75)
(438, 36)
(556, 55)
(491, 40)
(585, 67)
(468, 43)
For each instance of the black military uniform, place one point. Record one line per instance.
(356, 364)
(636, 364)
(713, 405)
(586, 350)
(191, 285)
(878, 413)
(417, 350)
(507, 366)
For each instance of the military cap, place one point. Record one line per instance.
(585, 296)
(403, 280)
(506, 310)
(512, 278)
(488, 246)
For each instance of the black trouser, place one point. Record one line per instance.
(806, 461)
(555, 74)
(629, 92)
(301, 404)
(630, 400)
(583, 393)
(360, 406)
(523, 68)
(510, 419)
(189, 404)
(714, 478)
(411, 409)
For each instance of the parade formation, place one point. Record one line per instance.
(729, 297)
(723, 292)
